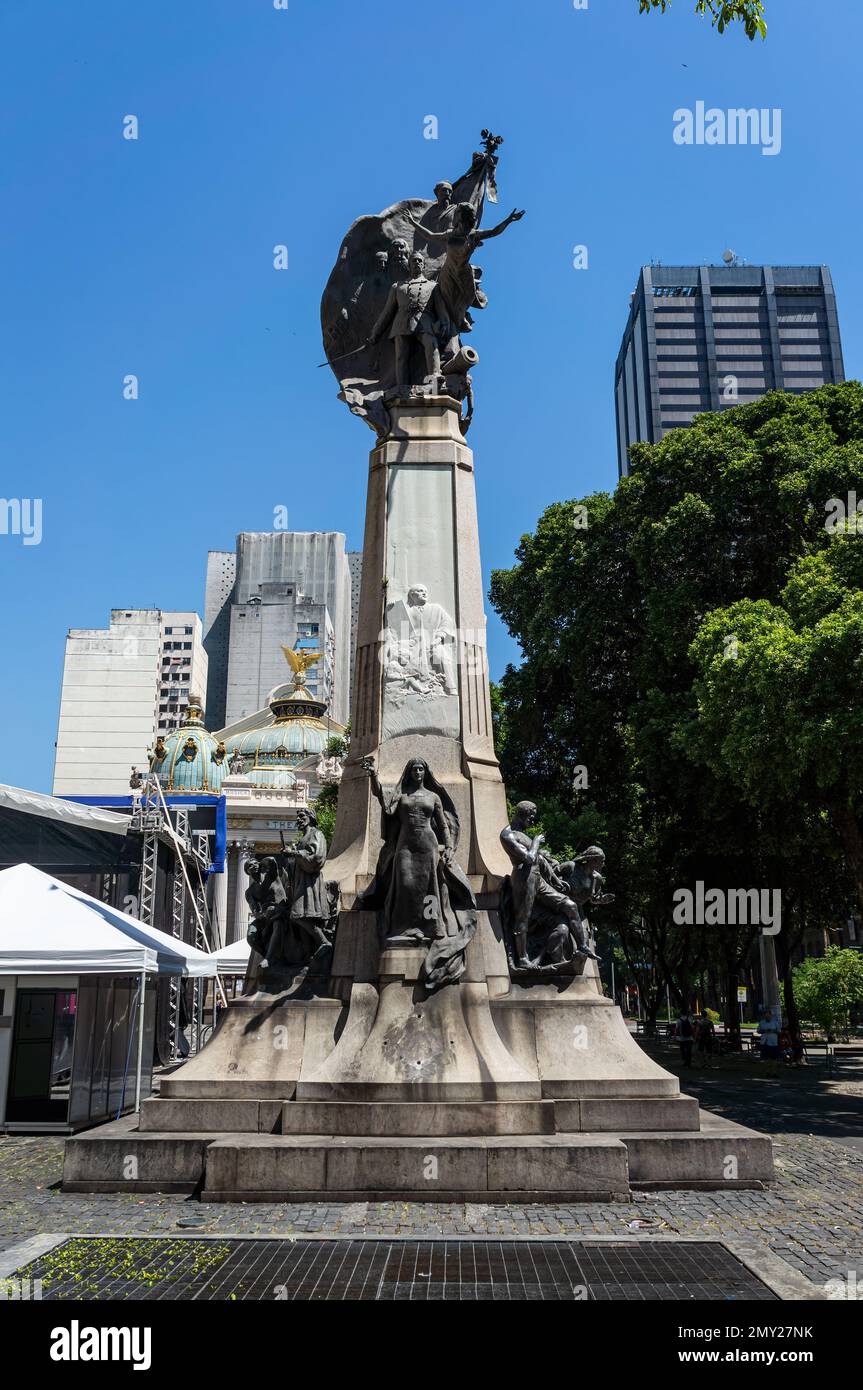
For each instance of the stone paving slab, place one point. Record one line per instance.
(812, 1218)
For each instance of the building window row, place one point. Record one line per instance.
(738, 301)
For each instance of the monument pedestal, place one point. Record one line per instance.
(401, 1043)
(576, 1040)
(485, 1089)
(256, 1052)
(537, 1095)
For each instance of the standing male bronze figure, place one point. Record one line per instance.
(415, 310)
(292, 911)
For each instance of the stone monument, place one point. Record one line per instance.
(452, 1038)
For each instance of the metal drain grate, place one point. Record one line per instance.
(392, 1270)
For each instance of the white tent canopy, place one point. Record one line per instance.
(233, 959)
(56, 808)
(45, 932)
(48, 927)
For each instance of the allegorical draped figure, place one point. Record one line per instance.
(293, 910)
(542, 901)
(306, 891)
(235, 765)
(418, 888)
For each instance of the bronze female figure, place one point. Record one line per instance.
(418, 888)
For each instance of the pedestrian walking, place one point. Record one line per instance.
(705, 1038)
(685, 1037)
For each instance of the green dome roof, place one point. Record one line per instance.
(297, 732)
(190, 759)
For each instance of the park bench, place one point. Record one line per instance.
(662, 1030)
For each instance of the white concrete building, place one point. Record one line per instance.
(123, 686)
(182, 668)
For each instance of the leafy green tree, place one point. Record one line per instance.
(326, 805)
(780, 695)
(829, 988)
(336, 746)
(607, 614)
(327, 801)
(750, 13)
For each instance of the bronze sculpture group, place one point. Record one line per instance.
(401, 294)
(293, 912)
(544, 902)
(421, 896)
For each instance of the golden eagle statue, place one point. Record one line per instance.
(300, 662)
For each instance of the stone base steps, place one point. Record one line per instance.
(267, 1168)
(416, 1118)
(260, 1166)
(211, 1116)
(721, 1155)
(117, 1157)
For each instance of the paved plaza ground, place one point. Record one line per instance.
(812, 1218)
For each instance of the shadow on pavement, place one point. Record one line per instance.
(784, 1102)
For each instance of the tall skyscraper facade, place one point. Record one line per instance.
(123, 686)
(278, 615)
(706, 337)
(290, 588)
(218, 592)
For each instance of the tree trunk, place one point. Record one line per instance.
(847, 829)
(683, 992)
(732, 1011)
(678, 995)
(786, 975)
(711, 992)
(651, 1009)
(785, 945)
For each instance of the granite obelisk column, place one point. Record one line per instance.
(421, 534)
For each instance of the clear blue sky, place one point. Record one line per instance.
(259, 126)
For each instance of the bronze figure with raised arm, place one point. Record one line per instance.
(456, 281)
(419, 890)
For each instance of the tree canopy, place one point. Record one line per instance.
(627, 722)
(750, 13)
(778, 694)
(829, 989)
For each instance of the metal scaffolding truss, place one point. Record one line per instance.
(157, 823)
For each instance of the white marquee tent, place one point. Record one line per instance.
(49, 928)
(233, 959)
